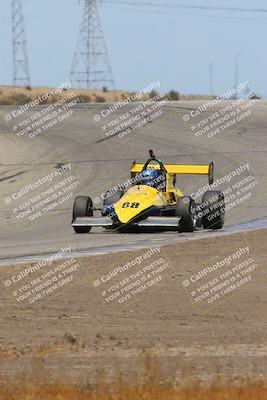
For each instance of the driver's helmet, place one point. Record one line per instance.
(149, 177)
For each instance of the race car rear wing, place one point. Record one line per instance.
(179, 169)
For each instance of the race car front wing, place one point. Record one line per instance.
(164, 222)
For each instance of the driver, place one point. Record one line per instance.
(150, 177)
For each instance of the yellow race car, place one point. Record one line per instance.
(153, 201)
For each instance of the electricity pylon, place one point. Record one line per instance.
(21, 75)
(91, 66)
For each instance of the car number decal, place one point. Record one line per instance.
(131, 205)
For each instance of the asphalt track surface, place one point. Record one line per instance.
(100, 162)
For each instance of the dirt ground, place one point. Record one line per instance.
(83, 328)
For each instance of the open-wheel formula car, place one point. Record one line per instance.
(153, 201)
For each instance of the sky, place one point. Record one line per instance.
(173, 46)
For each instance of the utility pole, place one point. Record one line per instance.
(236, 72)
(91, 66)
(21, 75)
(211, 78)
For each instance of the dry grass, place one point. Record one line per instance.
(66, 343)
(11, 95)
(122, 391)
(153, 386)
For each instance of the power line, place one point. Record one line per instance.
(21, 74)
(91, 66)
(170, 11)
(186, 6)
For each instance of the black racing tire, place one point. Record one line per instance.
(112, 198)
(213, 210)
(82, 207)
(186, 209)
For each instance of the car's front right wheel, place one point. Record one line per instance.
(213, 209)
(186, 209)
(82, 208)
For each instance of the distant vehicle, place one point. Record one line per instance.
(153, 202)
